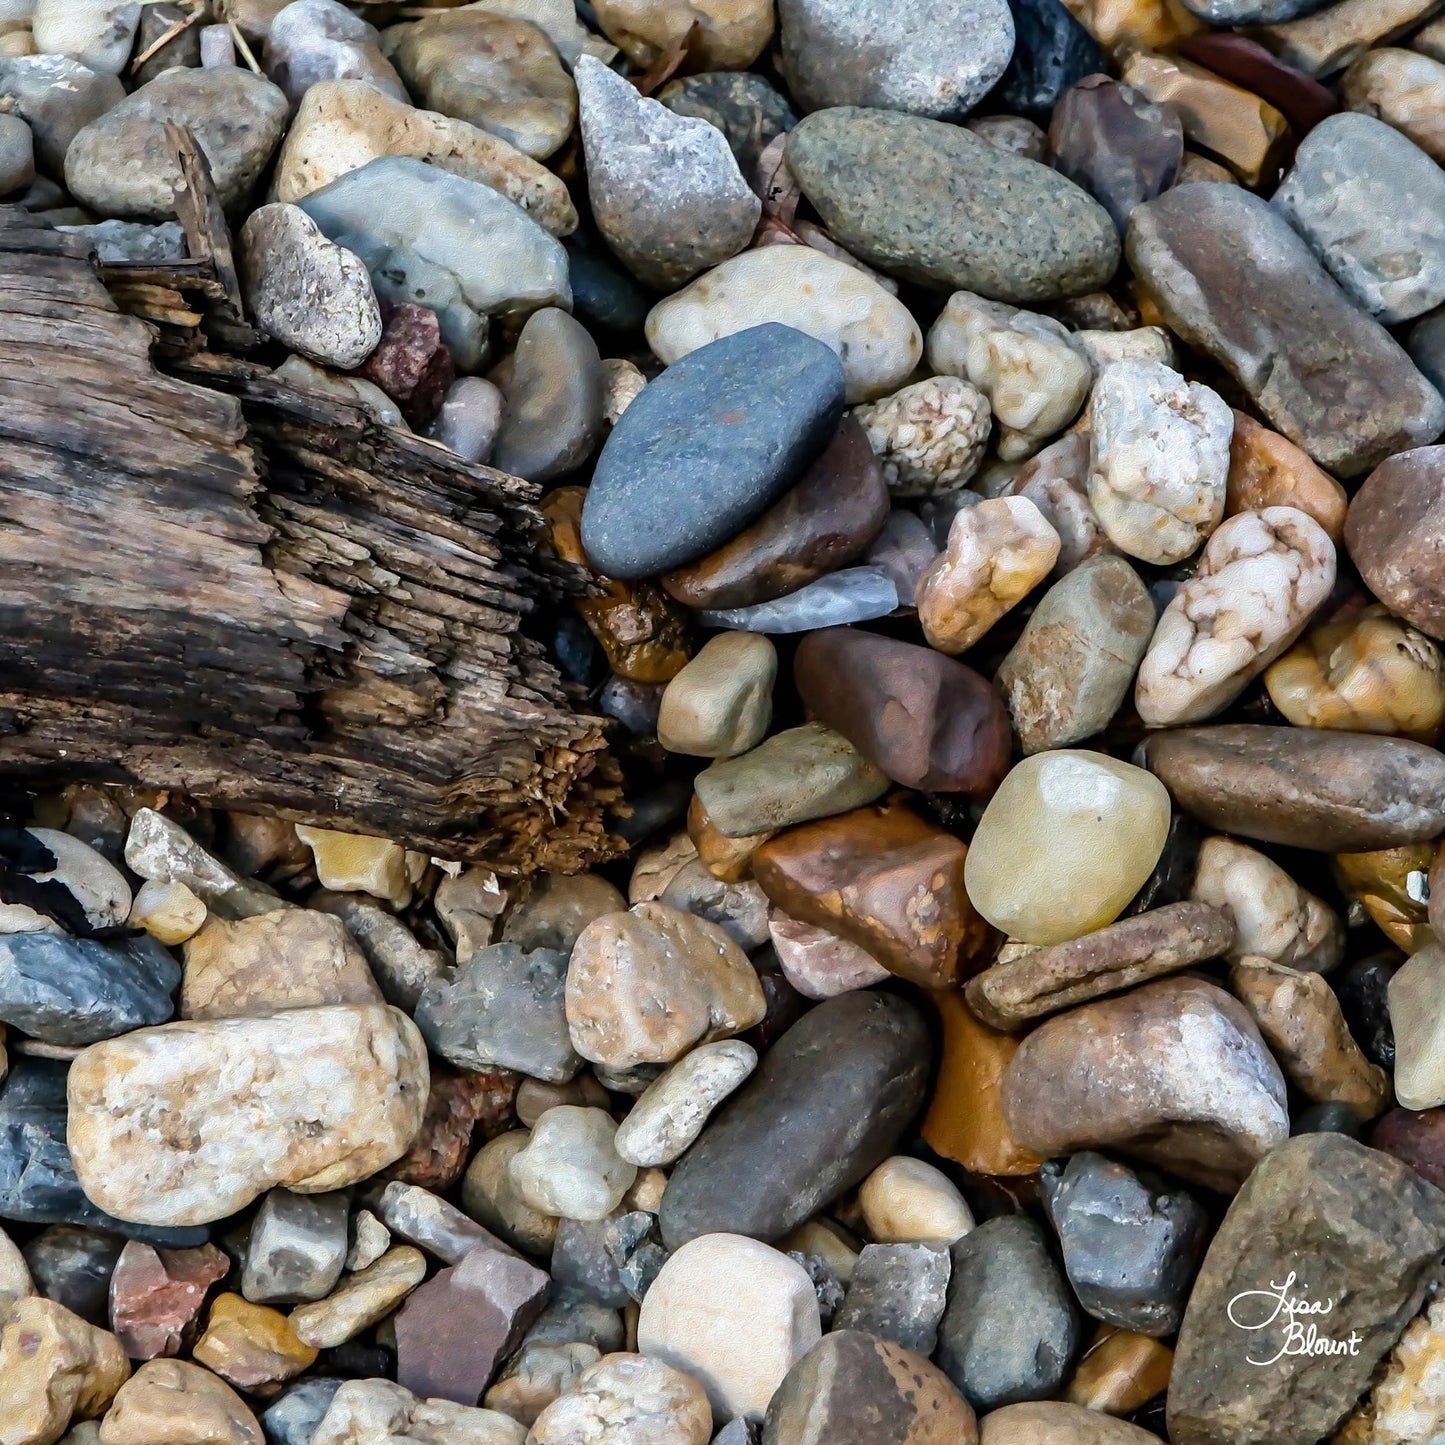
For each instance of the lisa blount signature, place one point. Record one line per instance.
(1257, 1309)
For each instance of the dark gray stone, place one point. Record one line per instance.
(297, 1247)
(827, 1287)
(742, 105)
(57, 97)
(293, 1419)
(1328, 1221)
(78, 990)
(37, 1180)
(933, 203)
(1131, 1242)
(571, 1318)
(1052, 51)
(1010, 1330)
(634, 1245)
(898, 1292)
(582, 1264)
(1233, 280)
(1371, 205)
(1426, 345)
(503, 1008)
(708, 447)
(828, 1103)
(72, 1265)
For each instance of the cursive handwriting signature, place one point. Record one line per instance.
(1257, 1309)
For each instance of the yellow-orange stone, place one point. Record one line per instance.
(1268, 470)
(1120, 1372)
(965, 1119)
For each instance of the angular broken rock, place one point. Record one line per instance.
(297, 1247)
(1133, 950)
(456, 1329)
(624, 963)
(651, 173)
(1232, 279)
(401, 965)
(156, 1296)
(1323, 1222)
(504, 1007)
(66, 990)
(897, 1293)
(189, 1122)
(1174, 1073)
(431, 1223)
(292, 958)
(304, 290)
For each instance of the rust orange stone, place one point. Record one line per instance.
(888, 881)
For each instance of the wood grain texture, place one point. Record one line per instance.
(264, 597)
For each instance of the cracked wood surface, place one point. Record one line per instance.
(267, 599)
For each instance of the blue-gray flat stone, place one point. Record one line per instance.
(1371, 205)
(443, 241)
(856, 594)
(66, 990)
(933, 203)
(708, 447)
(37, 1179)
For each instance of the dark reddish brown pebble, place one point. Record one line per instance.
(926, 720)
(1302, 100)
(411, 363)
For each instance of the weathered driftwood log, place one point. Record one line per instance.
(263, 597)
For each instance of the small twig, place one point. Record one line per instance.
(178, 28)
(242, 46)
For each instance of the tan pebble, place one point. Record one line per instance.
(173, 1402)
(361, 1299)
(251, 1345)
(997, 553)
(1268, 470)
(169, 912)
(54, 1368)
(906, 1201)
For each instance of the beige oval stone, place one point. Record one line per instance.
(14, 1272)
(189, 1122)
(169, 912)
(997, 553)
(1034, 376)
(1404, 89)
(360, 1300)
(341, 125)
(54, 1368)
(570, 1167)
(1050, 1422)
(730, 35)
(1273, 916)
(1260, 579)
(907, 1201)
(627, 1400)
(721, 703)
(734, 1314)
(873, 333)
(672, 1110)
(646, 985)
(173, 1402)
(1064, 844)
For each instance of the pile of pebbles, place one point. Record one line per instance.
(1001, 434)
